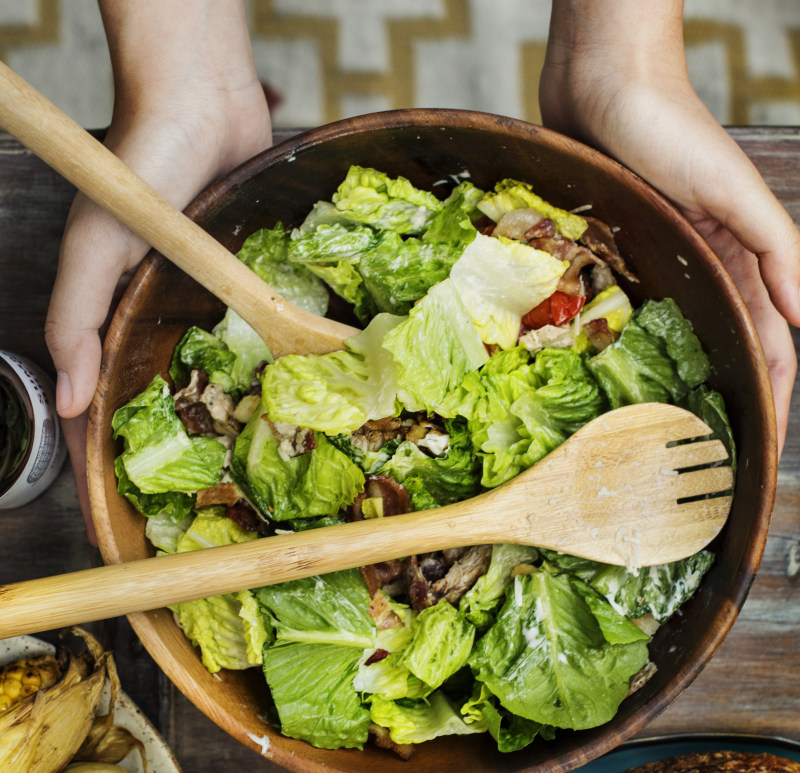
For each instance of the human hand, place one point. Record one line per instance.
(615, 77)
(188, 108)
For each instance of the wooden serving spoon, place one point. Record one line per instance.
(98, 173)
(613, 492)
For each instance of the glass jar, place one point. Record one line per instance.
(32, 448)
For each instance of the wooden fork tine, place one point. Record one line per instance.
(711, 480)
(695, 454)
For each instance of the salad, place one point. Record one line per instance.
(494, 327)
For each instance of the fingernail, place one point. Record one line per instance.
(63, 392)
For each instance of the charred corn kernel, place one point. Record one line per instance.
(25, 677)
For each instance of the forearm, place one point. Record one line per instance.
(598, 48)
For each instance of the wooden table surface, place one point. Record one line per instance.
(752, 684)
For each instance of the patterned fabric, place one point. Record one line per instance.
(328, 59)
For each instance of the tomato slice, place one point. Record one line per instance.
(558, 309)
(564, 307)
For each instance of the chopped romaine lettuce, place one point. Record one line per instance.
(266, 253)
(159, 455)
(499, 280)
(322, 626)
(453, 476)
(434, 348)
(513, 194)
(312, 687)
(510, 731)
(547, 659)
(422, 720)
(654, 590)
(316, 483)
(336, 392)
(386, 203)
(441, 644)
(481, 600)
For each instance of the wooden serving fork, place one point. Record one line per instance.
(637, 486)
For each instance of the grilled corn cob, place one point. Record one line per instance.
(25, 677)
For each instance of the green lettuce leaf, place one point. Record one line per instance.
(440, 645)
(510, 731)
(453, 223)
(337, 392)
(312, 687)
(546, 657)
(518, 409)
(172, 505)
(513, 194)
(448, 478)
(159, 455)
(655, 590)
(423, 720)
(481, 600)
(398, 271)
(316, 483)
(266, 252)
(322, 626)
(329, 609)
(388, 204)
(500, 280)
(434, 348)
(664, 320)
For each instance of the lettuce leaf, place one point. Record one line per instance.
(519, 409)
(510, 731)
(322, 626)
(312, 687)
(448, 478)
(337, 392)
(440, 645)
(159, 456)
(316, 483)
(434, 348)
(481, 600)
(266, 253)
(500, 280)
(655, 590)
(547, 659)
(386, 203)
(423, 720)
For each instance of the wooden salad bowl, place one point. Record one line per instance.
(430, 146)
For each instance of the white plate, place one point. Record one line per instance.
(126, 713)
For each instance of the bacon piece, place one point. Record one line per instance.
(395, 496)
(383, 615)
(599, 238)
(243, 514)
(379, 654)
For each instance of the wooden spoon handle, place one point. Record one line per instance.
(151, 583)
(98, 173)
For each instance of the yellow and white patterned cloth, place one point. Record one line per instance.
(328, 59)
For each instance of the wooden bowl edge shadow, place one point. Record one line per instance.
(704, 648)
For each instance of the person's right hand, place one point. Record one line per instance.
(188, 108)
